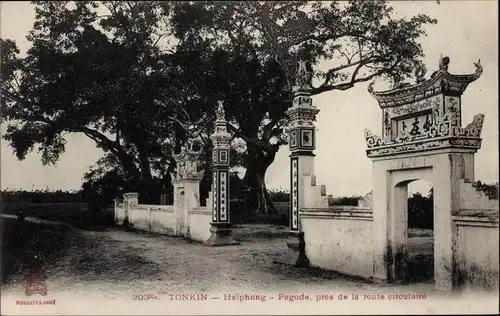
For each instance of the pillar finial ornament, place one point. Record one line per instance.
(220, 137)
(187, 162)
(219, 112)
(303, 77)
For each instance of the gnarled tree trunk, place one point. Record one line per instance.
(259, 201)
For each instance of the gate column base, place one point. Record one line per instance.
(295, 255)
(221, 235)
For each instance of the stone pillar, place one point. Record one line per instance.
(117, 202)
(446, 203)
(398, 234)
(221, 227)
(380, 205)
(186, 182)
(302, 142)
(129, 200)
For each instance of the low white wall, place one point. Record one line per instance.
(339, 238)
(477, 251)
(139, 217)
(199, 223)
(154, 218)
(161, 219)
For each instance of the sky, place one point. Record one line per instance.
(466, 31)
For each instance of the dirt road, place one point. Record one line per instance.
(118, 272)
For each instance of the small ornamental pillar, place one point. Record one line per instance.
(186, 182)
(129, 200)
(221, 225)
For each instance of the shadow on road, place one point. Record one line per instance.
(34, 244)
(29, 245)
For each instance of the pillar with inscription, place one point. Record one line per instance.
(302, 142)
(221, 227)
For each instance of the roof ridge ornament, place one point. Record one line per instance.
(370, 87)
(479, 68)
(420, 72)
(443, 63)
(439, 81)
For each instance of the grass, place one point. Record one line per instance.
(27, 245)
(77, 214)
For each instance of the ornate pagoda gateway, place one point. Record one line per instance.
(422, 139)
(426, 115)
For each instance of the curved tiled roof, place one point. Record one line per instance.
(440, 81)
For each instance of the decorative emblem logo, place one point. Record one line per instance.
(35, 282)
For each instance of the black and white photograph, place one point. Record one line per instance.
(249, 157)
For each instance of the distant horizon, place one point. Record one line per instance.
(341, 162)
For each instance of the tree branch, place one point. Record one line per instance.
(353, 81)
(268, 127)
(250, 140)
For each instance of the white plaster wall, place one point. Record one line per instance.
(470, 198)
(199, 224)
(314, 195)
(154, 218)
(443, 168)
(341, 244)
(163, 220)
(139, 218)
(478, 254)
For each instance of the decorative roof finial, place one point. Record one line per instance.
(443, 63)
(370, 86)
(220, 111)
(420, 72)
(479, 68)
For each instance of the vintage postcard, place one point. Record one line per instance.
(249, 157)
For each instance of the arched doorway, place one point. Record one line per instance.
(422, 139)
(420, 232)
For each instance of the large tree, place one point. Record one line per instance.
(102, 69)
(98, 69)
(344, 43)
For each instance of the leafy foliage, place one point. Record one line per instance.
(139, 78)
(42, 196)
(491, 190)
(421, 211)
(355, 41)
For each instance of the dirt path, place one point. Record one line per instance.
(111, 267)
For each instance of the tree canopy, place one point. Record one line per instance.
(139, 78)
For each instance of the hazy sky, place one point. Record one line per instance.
(466, 31)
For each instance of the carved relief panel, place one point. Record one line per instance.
(411, 120)
(414, 127)
(452, 106)
(293, 139)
